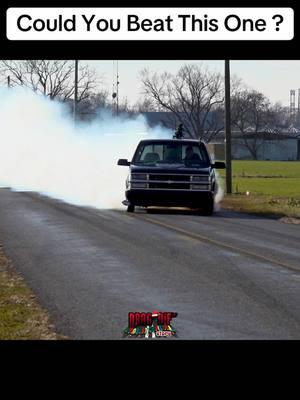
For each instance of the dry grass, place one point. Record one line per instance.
(21, 317)
(272, 206)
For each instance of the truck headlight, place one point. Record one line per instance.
(200, 187)
(138, 177)
(138, 185)
(196, 178)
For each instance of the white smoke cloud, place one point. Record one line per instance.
(42, 150)
(220, 193)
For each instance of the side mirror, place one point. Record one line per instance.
(124, 162)
(219, 165)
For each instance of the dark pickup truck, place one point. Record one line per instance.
(171, 173)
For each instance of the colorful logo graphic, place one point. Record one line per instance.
(150, 324)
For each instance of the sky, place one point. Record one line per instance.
(274, 78)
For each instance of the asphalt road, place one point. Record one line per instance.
(230, 276)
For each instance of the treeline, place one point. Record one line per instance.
(194, 96)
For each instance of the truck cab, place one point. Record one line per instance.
(171, 173)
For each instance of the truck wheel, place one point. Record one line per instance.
(209, 207)
(130, 208)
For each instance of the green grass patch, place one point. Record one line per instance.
(275, 178)
(287, 187)
(21, 317)
(273, 186)
(290, 169)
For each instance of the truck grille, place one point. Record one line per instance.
(181, 178)
(171, 185)
(171, 181)
(165, 181)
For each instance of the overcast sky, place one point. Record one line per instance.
(273, 78)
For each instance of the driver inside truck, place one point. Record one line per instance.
(190, 155)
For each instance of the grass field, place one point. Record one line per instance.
(273, 186)
(21, 317)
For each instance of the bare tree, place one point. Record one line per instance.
(90, 107)
(193, 95)
(52, 78)
(252, 115)
(145, 104)
(125, 107)
(283, 122)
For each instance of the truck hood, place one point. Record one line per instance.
(171, 169)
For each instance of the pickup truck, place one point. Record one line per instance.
(171, 173)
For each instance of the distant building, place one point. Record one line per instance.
(269, 146)
(274, 147)
(169, 120)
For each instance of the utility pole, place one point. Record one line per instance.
(228, 128)
(115, 93)
(118, 88)
(8, 81)
(75, 92)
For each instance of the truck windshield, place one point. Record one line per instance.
(186, 154)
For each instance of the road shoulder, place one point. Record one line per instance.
(21, 317)
(265, 206)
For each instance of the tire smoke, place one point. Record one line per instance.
(43, 151)
(220, 193)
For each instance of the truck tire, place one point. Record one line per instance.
(130, 208)
(208, 209)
